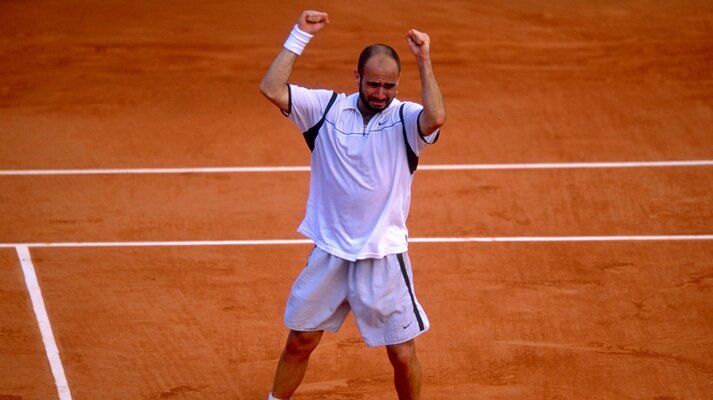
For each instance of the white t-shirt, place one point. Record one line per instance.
(360, 182)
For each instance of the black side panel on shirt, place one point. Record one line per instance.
(311, 133)
(410, 154)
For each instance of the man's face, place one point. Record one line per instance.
(379, 83)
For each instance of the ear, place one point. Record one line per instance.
(356, 76)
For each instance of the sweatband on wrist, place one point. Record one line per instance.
(297, 40)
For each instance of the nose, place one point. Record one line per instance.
(380, 92)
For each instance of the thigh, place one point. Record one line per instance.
(382, 296)
(318, 300)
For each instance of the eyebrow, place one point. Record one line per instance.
(387, 85)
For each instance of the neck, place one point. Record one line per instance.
(367, 112)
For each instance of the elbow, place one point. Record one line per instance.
(277, 95)
(273, 93)
(439, 120)
(430, 122)
(265, 90)
(436, 121)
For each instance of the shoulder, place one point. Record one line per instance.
(298, 92)
(305, 101)
(409, 108)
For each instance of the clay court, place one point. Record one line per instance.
(561, 228)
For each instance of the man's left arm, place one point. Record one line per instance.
(434, 109)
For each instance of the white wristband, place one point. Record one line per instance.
(297, 40)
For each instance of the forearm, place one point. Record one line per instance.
(274, 83)
(434, 110)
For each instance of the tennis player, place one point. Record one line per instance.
(364, 151)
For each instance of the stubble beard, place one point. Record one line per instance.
(369, 107)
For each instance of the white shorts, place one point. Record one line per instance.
(380, 291)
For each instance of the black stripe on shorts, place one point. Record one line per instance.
(410, 291)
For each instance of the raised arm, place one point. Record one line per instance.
(274, 83)
(434, 110)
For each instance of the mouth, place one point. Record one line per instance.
(377, 103)
(372, 103)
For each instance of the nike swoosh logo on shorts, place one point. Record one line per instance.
(406, 326)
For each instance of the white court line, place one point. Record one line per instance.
(526, 239)
(572, 165)
(506, 239)
(38, 305)
(424, 167)
(143, 171)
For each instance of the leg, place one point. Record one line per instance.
(293, 362)
(407, 370)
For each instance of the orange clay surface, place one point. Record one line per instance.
(117, 84)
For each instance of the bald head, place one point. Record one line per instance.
(377, 50)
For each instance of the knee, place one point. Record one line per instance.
(402, 355)
(301, 344)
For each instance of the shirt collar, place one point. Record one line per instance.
(353, 99)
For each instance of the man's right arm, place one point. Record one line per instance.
(274, 83)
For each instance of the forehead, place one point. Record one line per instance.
(381, 67)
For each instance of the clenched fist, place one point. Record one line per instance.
(312, 21)
(419, 43)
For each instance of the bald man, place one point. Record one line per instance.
(364, 149)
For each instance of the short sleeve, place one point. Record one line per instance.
(416, 139)
(307, 106)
